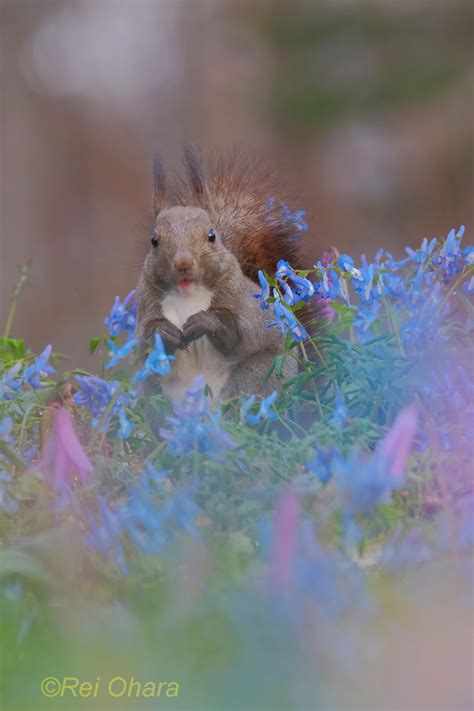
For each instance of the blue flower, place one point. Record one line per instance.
(119, 353)
(299, 289)
(327, 459)
(126, 427)
(157, 362)
(304, 287)
(363, 483)
(195, 427)
(265, 290)
(286, 322)
(264, 410)
(30, 453)
(425, 251)
(341, 413)
(105, 533)
(9, 383)
(371, 286)
(149, 522)
(284, 269)
(297, 217)
(330, 285)
(6, 426)
(40, 367)
(8, 503)
(365, 317)
(94, 393)
(347, 264)
(142, 520)
(123, 316)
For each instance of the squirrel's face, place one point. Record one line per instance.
(186, 250)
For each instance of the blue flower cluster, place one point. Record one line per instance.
(149, 519)
(264, 412)
(123, 316)
(8, 503)
(416, 296)
(96, 394)
(12, 382)
(296, 219)
(157, 362)
(195, 426)
(122, 320)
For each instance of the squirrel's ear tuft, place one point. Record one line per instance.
(195, 173)
(159, 183)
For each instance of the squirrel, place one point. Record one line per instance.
(213, 231)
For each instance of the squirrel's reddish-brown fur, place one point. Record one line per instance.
(244, 200)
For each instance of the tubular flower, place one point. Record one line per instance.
(157, 362)
(123, 316)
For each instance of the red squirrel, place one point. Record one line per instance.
(213, 231)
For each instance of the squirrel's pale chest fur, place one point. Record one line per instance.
(200, 357)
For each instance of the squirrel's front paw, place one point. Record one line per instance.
(170, 334)
(201, 324)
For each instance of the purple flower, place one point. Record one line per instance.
(284, 540)
(396, 444)
(33, 373)
(64, 456)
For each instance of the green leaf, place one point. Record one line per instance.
(16, 562)
(93, 343)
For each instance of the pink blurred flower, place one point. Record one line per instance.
(284, 539)
(396, 444)
(63, 455)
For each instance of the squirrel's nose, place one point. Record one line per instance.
(184, 263)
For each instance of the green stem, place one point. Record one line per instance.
(14, 299)
(11, 316)
(106, 414)
(462, 278)
(12, 457)
(156, 451)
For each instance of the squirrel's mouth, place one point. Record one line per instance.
(185, 284)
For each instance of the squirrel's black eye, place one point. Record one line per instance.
(212, 235)
(154, 240)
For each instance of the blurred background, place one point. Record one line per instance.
(363, 108)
